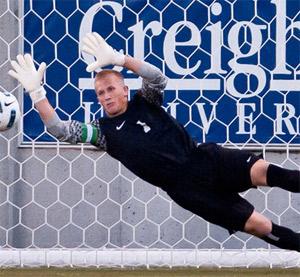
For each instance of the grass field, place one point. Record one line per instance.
(71, 272)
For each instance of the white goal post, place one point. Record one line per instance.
(133, 258)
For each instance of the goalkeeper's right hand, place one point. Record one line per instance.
(30, 78)
(95, 45)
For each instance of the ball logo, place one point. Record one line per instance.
(9, 111)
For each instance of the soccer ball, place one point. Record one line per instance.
(9, 110)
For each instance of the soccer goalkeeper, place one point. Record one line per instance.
(204, 179)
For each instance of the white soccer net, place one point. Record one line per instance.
(76, 206)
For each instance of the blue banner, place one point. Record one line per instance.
(233, 66)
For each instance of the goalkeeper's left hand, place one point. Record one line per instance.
(30, 78)
(95, 45)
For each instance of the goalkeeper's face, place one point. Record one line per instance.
(112, 94)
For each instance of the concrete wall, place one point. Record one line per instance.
(82, 198)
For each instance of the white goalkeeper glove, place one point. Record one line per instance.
(95, 45)
(30, 78)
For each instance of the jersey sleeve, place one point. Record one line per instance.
(152, 89)
(77, 132)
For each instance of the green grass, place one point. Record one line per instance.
(91, 272)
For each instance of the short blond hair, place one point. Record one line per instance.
(106, 72)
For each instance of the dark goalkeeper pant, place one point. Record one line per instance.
(212, 184)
